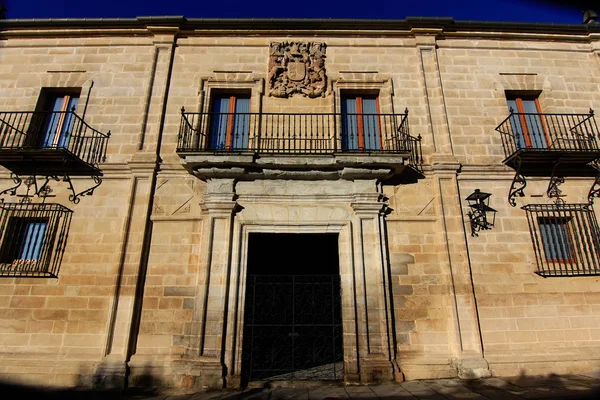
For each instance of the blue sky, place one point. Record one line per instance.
(552, 11)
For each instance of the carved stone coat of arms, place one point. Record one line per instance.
(296, 67)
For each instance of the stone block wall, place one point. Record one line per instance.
(134, 287)
(56, 331)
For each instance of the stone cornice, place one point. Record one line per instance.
(409, 26)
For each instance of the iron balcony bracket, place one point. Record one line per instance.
(553, 191)
(517, 185)
(34, 189)
(12, 191)
(45, 190)
(76, 197)
(595, 189)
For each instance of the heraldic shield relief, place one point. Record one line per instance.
(296, 67)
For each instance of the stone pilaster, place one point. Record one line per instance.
(111, 372)
(203, 365)
(375, 344)
(432, 82)
(465, 337)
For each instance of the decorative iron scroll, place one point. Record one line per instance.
(595, 189)
(76, 197)
(518, 184)
(297, 67)
(33, 187)
(43, 190)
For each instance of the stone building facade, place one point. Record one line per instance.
(287, 145)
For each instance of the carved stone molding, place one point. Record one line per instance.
(297, 68)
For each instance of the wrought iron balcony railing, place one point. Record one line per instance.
(53, 140)
(566, 239)
(316, 134)
(33, 237)
(575, 134)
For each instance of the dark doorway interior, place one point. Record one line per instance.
(292, 323)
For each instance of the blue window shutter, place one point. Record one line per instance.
(33, 240)
(555, 239)
(59, 120)
(219, 116)
(515, 123)
(52, 120)
(349, 124)
(241, 128)
(371, 124)
(69, 122)
(534, 125)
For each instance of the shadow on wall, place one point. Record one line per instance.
(103, 385)
(572, 387)
(551, 386)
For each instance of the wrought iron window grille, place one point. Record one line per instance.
(33, 237)
(51, 146)
(566, 238)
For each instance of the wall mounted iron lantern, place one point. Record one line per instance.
(480, 209)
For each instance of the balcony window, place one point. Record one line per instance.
(361, 123)
(57, 120)
(529, 128)
(566, 239)
(33, 238)
(537, 143)
(297, 133)
(230, 122)
(51, 140)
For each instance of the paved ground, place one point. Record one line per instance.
(575, 387)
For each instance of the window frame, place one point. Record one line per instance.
(215, 119)
(523, 122)
(360, 123)
(46, 125)
(565, 225)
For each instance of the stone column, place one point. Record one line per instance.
(375, 345)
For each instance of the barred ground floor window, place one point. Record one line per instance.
(566, 239)
(33, 238)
